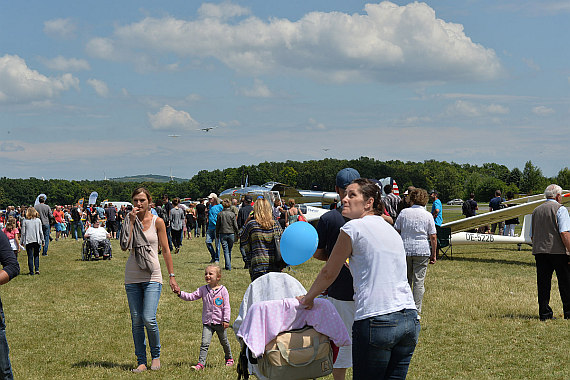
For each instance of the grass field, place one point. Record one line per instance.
(479, 317)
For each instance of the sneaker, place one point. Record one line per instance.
(198, 367)
(229, 362)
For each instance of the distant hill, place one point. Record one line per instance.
(148, 178)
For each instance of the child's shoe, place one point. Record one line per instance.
(229, 362)
(198, 367)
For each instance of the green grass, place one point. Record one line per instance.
(479, 317)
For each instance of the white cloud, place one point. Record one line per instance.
(258, 90)
(542, 111)
(169, 118)
(387, 43)
(60, 27)
(530, 63)
(20, 84)
(315, 125)
(469, 109)
(496, 109)
(8, 146)
(223, 11)
(101, 48)
(61, 63)
(100, 87)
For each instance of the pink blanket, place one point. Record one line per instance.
(265, 320)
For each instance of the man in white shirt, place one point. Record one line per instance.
(99, 237)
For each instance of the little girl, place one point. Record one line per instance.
(215, 313)
(12, 232)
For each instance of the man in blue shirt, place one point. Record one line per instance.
(215, 208)
(436, 208)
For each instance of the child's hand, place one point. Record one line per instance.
(225, 325)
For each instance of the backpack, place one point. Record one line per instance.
(297, 354)
(466, 208)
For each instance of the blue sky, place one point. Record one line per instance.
(94, 89)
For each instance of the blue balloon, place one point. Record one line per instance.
(298, 243)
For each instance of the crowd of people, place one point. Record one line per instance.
(366, 238)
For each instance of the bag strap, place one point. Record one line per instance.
(285, 353)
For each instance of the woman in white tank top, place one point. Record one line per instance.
(143, 288)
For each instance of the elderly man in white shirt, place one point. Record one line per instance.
(99, 237)
(417, 229)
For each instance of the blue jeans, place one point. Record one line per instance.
(143, 302)
(46, 230)
(211, 238)
(5, 366)
(383, 345)
(227, 241)
(33, 251)
(75, 227)
(169, 236)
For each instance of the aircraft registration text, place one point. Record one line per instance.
(479, 237)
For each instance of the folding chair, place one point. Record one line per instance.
(444, 242)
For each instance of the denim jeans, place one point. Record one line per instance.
(207, 333)
(243, 255)
(77, 226)
(211, 238)
(227, 241)
(169, 236)
(33, 251)
(5, 366)
(46, 230)
(383, 345)
(143, 302)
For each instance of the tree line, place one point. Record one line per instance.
(450, 179)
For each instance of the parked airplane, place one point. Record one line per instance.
(308, 200)
(527, 205)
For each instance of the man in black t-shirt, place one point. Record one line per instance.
(201, 218)
(167, 205)
(111, 215)
(76, 224)
(341, 291)
(243, 214)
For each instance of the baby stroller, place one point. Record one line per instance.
(89, 252)
(268, 314)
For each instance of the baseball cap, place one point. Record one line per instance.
(346, 176)
(212, 195)
(247, 198)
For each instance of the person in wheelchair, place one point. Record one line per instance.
(99, 239)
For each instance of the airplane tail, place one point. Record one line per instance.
(525, 231)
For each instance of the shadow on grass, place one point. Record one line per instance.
(101, 364)
(493, 261)
(516, 316)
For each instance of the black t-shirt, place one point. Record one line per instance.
(328, 230)
(111, 213)
(167, 207)
(201, 211)
(75, 214)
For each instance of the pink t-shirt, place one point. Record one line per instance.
(11, 234)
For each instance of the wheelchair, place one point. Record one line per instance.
(88, 252)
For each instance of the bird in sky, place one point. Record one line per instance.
(206, 129)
